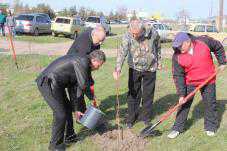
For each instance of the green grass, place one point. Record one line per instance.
(225, 29)
(41, 38)
(111, 43)
(166, 45)
(25, 122)
(118, 30)
(52, 39)
(114, 42)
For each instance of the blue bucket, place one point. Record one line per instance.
(92, 117)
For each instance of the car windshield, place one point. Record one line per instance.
(155, 26)
(93, 19)
(63, 20)
(199, 28)
(211, 29)
(25, 17)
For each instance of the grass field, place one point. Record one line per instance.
(51, 39)
(225, 29)
(111, 42)
(25, 122)
(40, 39)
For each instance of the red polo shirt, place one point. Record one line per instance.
(199, 65)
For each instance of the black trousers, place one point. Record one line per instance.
(57, 99)
(141, 90)
(211, 116)
(81, 106)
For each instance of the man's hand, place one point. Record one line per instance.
(222, 67)
(94, 103)
(181, 100)
(116, 75)
(78, 115)
(160, 67)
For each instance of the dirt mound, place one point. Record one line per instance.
(109, 141)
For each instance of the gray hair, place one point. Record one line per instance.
(135, 23)
(98, 55)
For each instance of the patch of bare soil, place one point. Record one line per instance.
(108, 141)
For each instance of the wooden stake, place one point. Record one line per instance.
(120, 131)
(12, 47)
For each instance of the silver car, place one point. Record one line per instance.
(33, 23)
(92, 22)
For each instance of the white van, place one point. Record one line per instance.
(163, 30)
(92, 22)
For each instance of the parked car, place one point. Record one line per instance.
(149, 22)
(208, 29)
(114, 22)
(68, 26)
(92, 22)
(124, 21)
(163, 30)
(45, 15)
(204, 28)
(35, 23)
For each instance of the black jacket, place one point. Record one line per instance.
(67, 72)
(83, 44)
(178, 72)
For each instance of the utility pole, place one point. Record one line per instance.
(211, 9)
(220, 16)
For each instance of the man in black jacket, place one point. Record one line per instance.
(69, 72)
(84, 44)
(88, 41)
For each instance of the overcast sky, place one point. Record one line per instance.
(169, 8)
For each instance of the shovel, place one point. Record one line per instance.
(149, 130)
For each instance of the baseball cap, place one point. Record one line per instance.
(179, 39)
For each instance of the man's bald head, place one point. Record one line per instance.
(98, 34)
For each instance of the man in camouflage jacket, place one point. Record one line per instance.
(142, 46)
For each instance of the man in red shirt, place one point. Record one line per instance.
(192, 65)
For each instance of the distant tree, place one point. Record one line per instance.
(43, 8)
(64, 12)
(83, 12)
(100, 14)
(111, 15)
(16, 6)
(182, 16)
(19, 7)
(91, 12)
(26, 9)
(73, 11)
(121, 12)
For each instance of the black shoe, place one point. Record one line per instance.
(60, 147)
(71, 139)
(129, 125)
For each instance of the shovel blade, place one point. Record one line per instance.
(150, 131)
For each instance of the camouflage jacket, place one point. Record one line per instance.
(144, 54)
